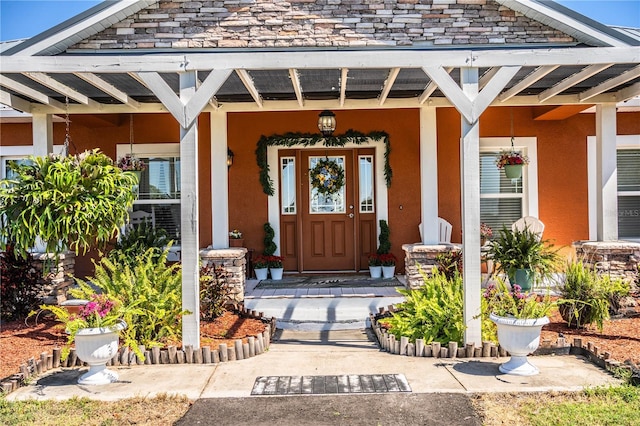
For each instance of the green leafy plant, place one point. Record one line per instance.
(261, 262)
(374, 260)
(588, 295)
(20, 285)
(269, 246)
(138, 239)
(74, 202)
(523, 249)
(432, 312)
(384, 245)
(450, 263)
(215, 291)
(153, 286)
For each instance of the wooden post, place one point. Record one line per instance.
(252, 346)
(453, 349)
(404, 342)
(419, 347)
(435, 349)
(206, 354)
(238, 349)
(56, 357)
(224, 355)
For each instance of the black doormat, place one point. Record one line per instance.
(322, 385)
(334, 281)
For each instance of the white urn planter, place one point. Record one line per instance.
(96, 346)
(261, 273)
(519, 337)
(276, 273)
(388, 271)
(375, 271)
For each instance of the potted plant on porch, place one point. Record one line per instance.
(519, 318)
(261, 267)
(512, 162)
(375, 267)
(523, 256)
(235, 238)
(275, 267)
(388, 262)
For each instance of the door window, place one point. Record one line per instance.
(326, 203)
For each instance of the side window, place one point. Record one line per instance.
(628, 193)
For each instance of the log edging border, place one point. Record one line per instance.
(255, 345)
(388, 343)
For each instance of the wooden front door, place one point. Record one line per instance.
(328, 231)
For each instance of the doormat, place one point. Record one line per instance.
(322, 385)
(334, 281)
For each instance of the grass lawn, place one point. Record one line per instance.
(162, 410)
(618, 406)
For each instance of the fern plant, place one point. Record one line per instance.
(432, 312)
(138, 239)
(153, 286)
(75, 202)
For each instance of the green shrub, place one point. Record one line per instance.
(20, 285)
(215, 291)
(153, 286)
(432, 312)
(138, 239)
(587, 295)
(384, 246)
(450, 263)
(269, 246)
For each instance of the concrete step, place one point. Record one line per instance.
(321, 313)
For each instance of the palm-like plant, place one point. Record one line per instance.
(523, 249)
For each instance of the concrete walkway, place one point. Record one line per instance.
(345, 352)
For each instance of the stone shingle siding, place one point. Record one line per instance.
(324, 23)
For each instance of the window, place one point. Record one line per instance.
(159, 187)
(365, 171)
(288, 184)
(628, 193)
(320, 203)
(503, 200)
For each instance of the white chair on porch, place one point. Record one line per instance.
(532, 223)
(444, 231)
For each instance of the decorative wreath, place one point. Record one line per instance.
(327, 177)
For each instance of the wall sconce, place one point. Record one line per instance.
(229, 158)
(326, 122)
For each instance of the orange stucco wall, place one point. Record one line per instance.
(561, 145)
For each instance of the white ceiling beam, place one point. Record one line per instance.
(204, 93)
(63, 89)
(388, 84)
(487, 76)
(297, 88)
(611, 83)
(572, 80)
(344, 72)
(431, 87)
(27, 91)
(108, 88)
(493, 89)
(628, 92)
(14, 102)
(319, 60)
(165, 94)
(451, 90)
(248, 83)
(530, 79)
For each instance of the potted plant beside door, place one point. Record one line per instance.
(375, 267)
(275, 267)
(388, 262)
(261, 267)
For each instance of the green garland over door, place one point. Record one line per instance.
(310, 139)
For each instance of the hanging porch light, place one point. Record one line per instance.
(326, 122)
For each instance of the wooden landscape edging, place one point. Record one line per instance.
(391, 344)
(254, 346)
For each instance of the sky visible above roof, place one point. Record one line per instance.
(26, 18)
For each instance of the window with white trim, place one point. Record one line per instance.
(159, 187)
(504, 200)
(288, 184)
(628, 162)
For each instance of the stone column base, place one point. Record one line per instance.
(421, 257)
(233, 261)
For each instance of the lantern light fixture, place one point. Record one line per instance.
(326, 123)
(229, 158)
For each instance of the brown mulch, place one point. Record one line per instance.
(20, 341)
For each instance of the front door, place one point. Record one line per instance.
(328, 220)
(327, 232)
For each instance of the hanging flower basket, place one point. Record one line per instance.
(327, 177)
(513, 171)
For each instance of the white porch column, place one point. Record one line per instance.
(219, 181)
(189, 218)
(42, 132)
(429, 175)
(470, 191)
(606, 173)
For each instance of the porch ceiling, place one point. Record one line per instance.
(317, 79)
